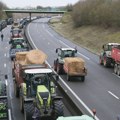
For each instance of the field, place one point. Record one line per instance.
(89, 37)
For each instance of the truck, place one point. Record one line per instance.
(34, 84)
(105, 57)
(63, 53)
(115, 54)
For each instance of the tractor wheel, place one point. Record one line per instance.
(59, 71)
(13, 74)
(83, 78)
(100, 61)
(16, 90)
(68, 77)
(21, 102)
(115, 68)
(57, 109)
(27, 116)
(55, 68)
(118, 70)
(107, 62)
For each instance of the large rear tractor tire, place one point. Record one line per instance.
(27, 116)
(83, 78)
(107, 62)
(68, 78)
(59, 69)
(16, 90)
(58, 109)
(118, 70)
(115, 68)
(55, 65)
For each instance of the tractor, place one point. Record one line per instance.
(105, 56)
(38, 96)
(63, 53)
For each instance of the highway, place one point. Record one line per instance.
(101, 87)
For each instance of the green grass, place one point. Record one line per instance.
(89, 37)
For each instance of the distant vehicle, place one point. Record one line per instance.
(15, 33)
(15, 25)
(18, 41)
(9, 21)
(105, 57)
(13, 51)
(3, 24)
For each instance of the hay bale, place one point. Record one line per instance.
(35, 57)
(74, 65)
(21, 56)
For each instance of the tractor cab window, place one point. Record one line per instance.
(69, 53)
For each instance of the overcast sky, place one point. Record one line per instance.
(34, 3)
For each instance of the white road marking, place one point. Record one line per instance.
(116, 75)
(4, 65)
(113, 95)
(49, 33)
(9, 114)
(76, 96)
(5, 55)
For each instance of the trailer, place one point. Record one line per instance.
(34, 85)
(75, 67)
(115, 54)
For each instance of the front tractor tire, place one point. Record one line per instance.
(58, 109)
(100, 60)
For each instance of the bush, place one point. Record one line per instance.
(97, 12)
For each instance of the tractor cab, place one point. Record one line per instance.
(37, 78)
(66, 52)
(109, 46)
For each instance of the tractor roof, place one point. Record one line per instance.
(68, 49)
(83, 117)
(113, 43)
(34, 71)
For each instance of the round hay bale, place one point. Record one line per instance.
(35, 57)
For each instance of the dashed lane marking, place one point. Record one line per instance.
(113, 95)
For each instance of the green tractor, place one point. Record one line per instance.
(3, 101)
(38, 97)
(105, 56)
(63, 53)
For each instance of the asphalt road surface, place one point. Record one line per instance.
(101, 87)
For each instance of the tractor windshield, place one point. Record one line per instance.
(109, 47)
(69, 53)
